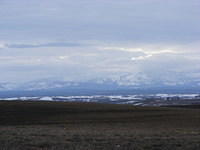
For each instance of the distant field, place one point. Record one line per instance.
(28, 125)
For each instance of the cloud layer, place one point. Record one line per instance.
(131, 42)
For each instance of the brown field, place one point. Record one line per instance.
(36, 125)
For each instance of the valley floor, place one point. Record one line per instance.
(89, 126)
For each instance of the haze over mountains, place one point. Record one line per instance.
(106, 86)
(128, 44)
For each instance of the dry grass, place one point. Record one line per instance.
(89, 126)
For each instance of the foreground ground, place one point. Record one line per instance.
(90, 126)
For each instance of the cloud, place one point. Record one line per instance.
(53, 44)
(104, 39)
(2, 45)
(138, 20)
(147, 53)
(63, 57)
(164, 63)
(141, 57)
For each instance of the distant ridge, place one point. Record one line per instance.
(106, 86)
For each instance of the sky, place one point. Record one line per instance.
(127, 41)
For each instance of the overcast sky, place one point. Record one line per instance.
(130, 41)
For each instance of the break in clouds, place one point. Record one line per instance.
(131, 42)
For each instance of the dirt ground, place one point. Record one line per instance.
(90, 126)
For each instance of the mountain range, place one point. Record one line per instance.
(90, 87)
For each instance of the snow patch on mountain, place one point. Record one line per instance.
(46, 98)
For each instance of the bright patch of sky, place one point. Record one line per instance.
(126, 41)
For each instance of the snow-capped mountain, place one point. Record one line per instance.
(141, 100)
(104, 85)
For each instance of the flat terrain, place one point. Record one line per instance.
(28, 125)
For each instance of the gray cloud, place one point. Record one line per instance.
(147, 39)
(138, 20)
(56, 44)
